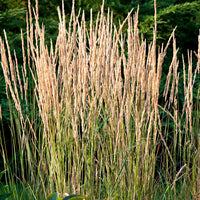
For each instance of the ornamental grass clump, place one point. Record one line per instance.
(86, 116)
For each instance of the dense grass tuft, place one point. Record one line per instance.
(90, 120)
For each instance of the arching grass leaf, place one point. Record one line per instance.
(74, 197)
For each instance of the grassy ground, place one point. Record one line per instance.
(88, 116)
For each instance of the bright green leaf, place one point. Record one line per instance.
(74, 197)
(53, 196)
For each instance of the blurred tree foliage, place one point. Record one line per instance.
(185, 14)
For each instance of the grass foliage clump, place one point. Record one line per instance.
(86, 115)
